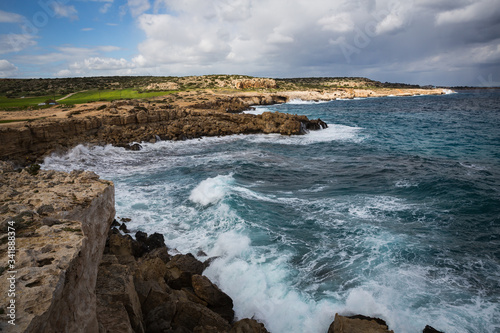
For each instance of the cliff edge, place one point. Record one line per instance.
(54, 228)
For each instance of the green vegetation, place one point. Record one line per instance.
(110, 95)
(22, 103)
(28, 93)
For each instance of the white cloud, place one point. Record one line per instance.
(341, 22)
(15, 42)
(7, 68)
(137, 7)
(104, 9)
(66, 54)
(478, 10)
(62, 10)
(63, 73)
(98, 63)
(87, 29)
(6, 17)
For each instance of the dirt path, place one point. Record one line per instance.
(69, 95)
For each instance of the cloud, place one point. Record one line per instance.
(15, 42)
(6, 17)
(137, 7)
(65, 54)
(86, 29)
(6, 68)
(104, 9)
(476, 11)
(62, 10)
(98, 63)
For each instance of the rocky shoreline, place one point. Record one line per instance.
(73, 270)
(76, 269)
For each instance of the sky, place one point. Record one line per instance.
(436, 42)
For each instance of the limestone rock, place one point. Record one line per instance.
(56, 263)
(248, 326)
(118, 306)
(191, 315)
(358, 324)
(217, 300)
(181, 268)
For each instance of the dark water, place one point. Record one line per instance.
(393, 211)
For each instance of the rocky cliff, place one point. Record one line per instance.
(58, 225)
(125, 122)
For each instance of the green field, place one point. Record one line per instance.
(110, 95)
(78, 98)
(14, 103)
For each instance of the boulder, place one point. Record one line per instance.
(430, 329)
(216, 299)
(181, 268)
(358, 324)
(248, 326)
(191, 315)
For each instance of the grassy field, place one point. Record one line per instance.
(78, 98)
(109, 95)
(13, 103)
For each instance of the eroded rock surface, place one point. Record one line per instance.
(61, 223)
(170, 294)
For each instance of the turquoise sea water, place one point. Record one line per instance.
(393, 211)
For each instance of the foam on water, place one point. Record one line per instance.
(333, 132)
(258, 109)
(211, 190)
(298, 101)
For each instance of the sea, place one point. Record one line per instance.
(393, 211)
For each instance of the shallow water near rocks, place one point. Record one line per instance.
(393, 211)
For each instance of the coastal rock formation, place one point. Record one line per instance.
(60, 222)
(358, 324)
(126, 123)
(254, 83)
(151, 291)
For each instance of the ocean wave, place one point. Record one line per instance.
(298, 101)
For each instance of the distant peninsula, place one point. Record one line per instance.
(39, 116)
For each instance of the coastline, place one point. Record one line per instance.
(122, 123)
(189, 115)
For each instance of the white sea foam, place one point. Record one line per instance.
(334, 132)
(261, 289)
(298, 101)
(258, 109)
(211, 190)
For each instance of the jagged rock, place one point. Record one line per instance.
(159, 319)
(430, 329)
(217, 300)
(191, 315)
(358, 324)
(181, 268)
(248, 326)
(118, 306)
(123, 227)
